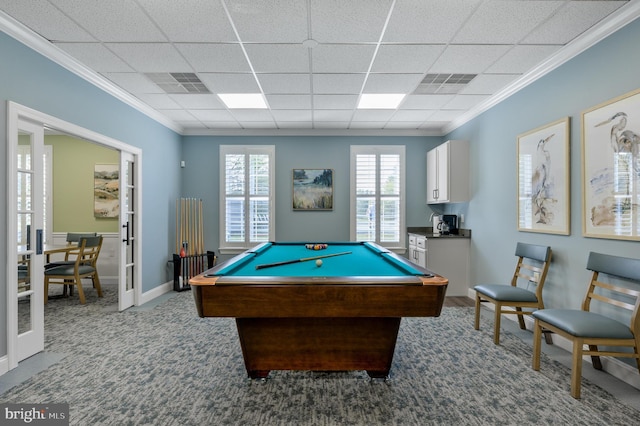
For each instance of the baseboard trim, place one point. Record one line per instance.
(4, 365)
(155, 292)
(613, 366)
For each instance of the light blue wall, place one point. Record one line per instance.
(607, 70)
(200, 179)
(31, 80)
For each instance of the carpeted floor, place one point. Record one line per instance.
(167, 366)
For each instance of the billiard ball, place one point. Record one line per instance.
(319, 262)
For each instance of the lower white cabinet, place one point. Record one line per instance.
(418, 249)
(449, 257)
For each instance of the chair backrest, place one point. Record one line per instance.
(74, 237)
(624, 268)
(526, 270)
(90, 249)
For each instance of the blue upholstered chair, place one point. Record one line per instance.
(84, 257)
(531, 271)
(615, 282)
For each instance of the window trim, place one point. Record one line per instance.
(270, 150)
(378, 150)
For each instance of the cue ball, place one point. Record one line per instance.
(319, 262)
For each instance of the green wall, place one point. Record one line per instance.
(73, 166)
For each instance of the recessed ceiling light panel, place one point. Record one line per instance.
(380, 100)
(243, 100)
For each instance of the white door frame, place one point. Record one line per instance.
(16, 111)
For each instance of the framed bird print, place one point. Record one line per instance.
(611, 169)
(543, 179)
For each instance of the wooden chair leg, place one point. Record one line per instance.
(521, 319)
(96, 284)
(595, 360)
(477, 319)
(80, 290)
(576, 369)
(46, 290)
(496, 329)
(537, 330)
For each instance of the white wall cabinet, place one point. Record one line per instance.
(448, 173)
(449, 257)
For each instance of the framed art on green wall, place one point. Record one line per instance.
(106, 190)
(543, 179)
(611, 169)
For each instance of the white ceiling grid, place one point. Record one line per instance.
(359, 46)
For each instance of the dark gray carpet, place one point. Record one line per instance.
(167, 366)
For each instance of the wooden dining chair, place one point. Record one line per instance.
(614, 287)
(85, 258)
(531, 271)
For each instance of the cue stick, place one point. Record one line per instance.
(303, 259)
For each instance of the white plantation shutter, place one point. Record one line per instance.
(247, 193)
(378, 194)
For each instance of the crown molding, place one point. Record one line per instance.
(602, 30)
(41, 45)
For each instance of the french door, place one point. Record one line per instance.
(27, 292)
(128, 226)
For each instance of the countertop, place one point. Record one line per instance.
(427, 231)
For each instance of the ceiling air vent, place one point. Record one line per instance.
(178, 82)
(443, 83)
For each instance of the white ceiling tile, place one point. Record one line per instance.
(295, 124)
(178, 114)
(159, 100)
(332, 115)
(212, 115)
(425, 101)
(289, 101)
(465, 101)
(403, 125)
(285, 83)
(505, 21)
(373, 114)
(259, 124)
(133, 82)
(369, 125)
(405, 58)
(342, 58)
(95, 56)
(427, 21)
(488, 84)
(279, 21)
(392, 83)
(337, 83)
(276, 58)
(209, 57)
(292, 114)
(252, 114)
(46, 20)
(353, 21)
(521, 59)
(222, 124)
(335, 101)
(198, 21)
(198, 101)
(467, 59)
(151, 57)
(446, 115)
(411, 115)
(230, 83)
(112, 21)
(571, 21)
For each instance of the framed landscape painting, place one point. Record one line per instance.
(106, 190)
(312, 189)
(543, 179)
(611, 169)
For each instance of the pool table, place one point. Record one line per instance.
(342, 315)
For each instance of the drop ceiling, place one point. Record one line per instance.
(312, 59)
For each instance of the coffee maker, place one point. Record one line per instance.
(451, 220)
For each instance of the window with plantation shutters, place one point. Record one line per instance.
(246, 191)
(377, 195)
